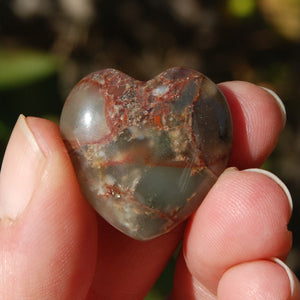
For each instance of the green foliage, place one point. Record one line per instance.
(4, 131)
(163, 286)
(241, 8)
(24, 66)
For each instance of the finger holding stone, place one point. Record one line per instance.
(47, 230)
(244, 217)
(258, 117)
(262, 279)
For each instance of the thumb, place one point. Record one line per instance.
(47, 230)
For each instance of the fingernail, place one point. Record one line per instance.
(279, 101)
(22, 168)
(230, 169)
(278, 181)
(288, 271)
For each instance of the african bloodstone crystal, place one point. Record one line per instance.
(146, 153)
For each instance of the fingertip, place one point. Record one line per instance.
(47, 136)
(276, 180)
(23, 165)
(279, 102)
(257, 118)
(261, 279)
(293, 280)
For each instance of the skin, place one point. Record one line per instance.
(58, 248)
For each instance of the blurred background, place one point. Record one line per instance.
(46, 46)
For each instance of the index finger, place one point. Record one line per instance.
(258, 117)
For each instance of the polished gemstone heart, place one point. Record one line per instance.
(146, 153)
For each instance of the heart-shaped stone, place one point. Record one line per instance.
(146, 153)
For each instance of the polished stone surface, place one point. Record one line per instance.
(146, 153)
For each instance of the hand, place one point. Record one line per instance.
(54, 246)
